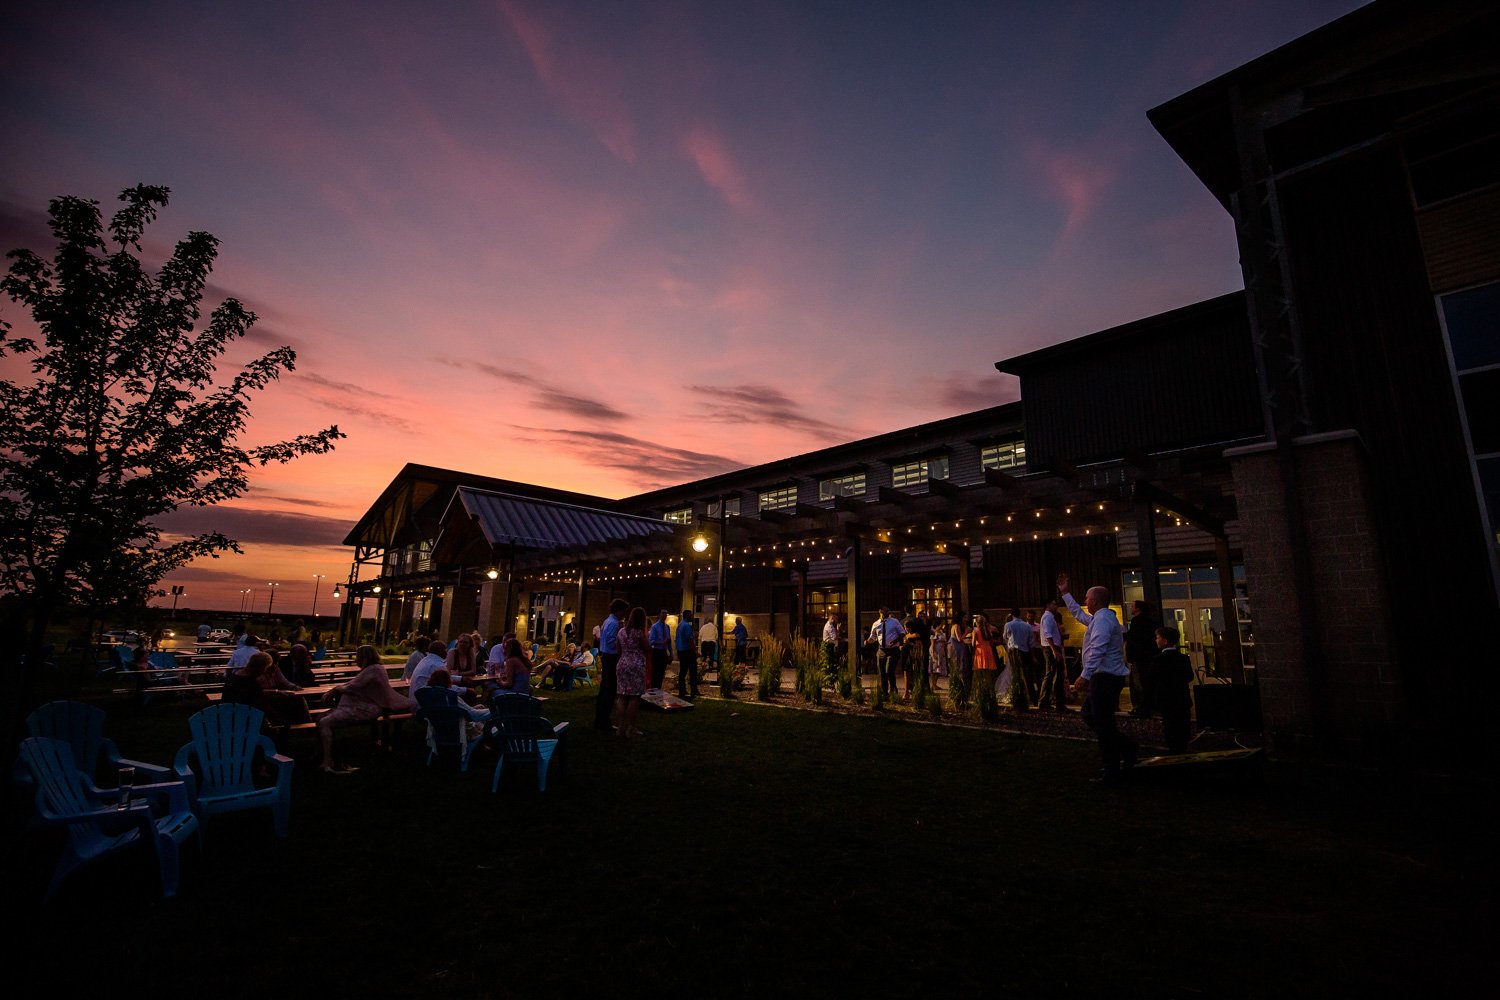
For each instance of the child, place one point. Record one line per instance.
(1169, 678)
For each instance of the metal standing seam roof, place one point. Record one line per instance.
(541, 524)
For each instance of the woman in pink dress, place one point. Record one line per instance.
(630, 674)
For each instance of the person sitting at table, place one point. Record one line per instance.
(421, 674)
(366, 697)
(461, 662)
(248, 647)
(515, 673)
(442, 679)
(299, 666)
(419, 653)
(242, 686)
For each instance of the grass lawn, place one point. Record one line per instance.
(746, 850)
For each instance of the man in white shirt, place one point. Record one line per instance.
(248, 647)
(831, 642)
(421, 676)
(708, 642)
(1104, 675)
(1054, 694)
(419, 652)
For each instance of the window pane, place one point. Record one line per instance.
(781, 499)
(909, 474)
(1481, 390)
(683, 516)
(852, 485)
(1473, 321)
(1007, 455)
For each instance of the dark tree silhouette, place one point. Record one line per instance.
(121, 420)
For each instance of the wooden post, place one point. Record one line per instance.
(1234, 660)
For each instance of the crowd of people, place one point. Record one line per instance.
(261, 676)
(1024, 659)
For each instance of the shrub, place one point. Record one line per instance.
(772, 653)
(807, 656)
(986, 705)
(877, 696)
(1020, 701)
(958, 690)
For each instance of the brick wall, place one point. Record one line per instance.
(1351, 660)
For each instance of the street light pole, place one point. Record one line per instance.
(317, 580)
(272, 599)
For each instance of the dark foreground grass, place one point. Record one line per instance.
(746, 850)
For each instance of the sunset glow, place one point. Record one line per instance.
(611, 247)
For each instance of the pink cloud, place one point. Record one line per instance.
(588, 86)
(711, 157)
(1078, 181)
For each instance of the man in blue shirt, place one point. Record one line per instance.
(609, 659)
(741, 640)
(687, 656)
(660, 639)
(1018, 656)
(888, 633)
(1103, 677)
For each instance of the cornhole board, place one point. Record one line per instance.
(1244, 760)
(663, 702)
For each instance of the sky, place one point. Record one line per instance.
(609, 247)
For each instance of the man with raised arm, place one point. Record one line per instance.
(1104, 675)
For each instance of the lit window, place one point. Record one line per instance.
(1010, 455)
(784, 498)
(683, 516)
(842, 486)
(731, 508)
(918, 472)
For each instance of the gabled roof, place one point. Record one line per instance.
(415, 485)
(505, 519)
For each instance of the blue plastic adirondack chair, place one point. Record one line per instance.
(225, 740)
(82, 728)
(446, 724)
(120, 656)
(519, 733)
(97, 827)
(582, 675)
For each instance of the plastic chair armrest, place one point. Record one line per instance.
(174, 792)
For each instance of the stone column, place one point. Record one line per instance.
(460, 612)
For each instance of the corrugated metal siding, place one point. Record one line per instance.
(1173, 541)
(929, 564)
(1168, 387)
(1024, 574)
(822, 571)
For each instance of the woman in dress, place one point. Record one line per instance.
(959, 662)
(937, 663)
(635, 653)
(986, 662)
(365, 698)
(514, 675)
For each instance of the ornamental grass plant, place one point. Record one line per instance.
(772, 654)
(807, 657)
